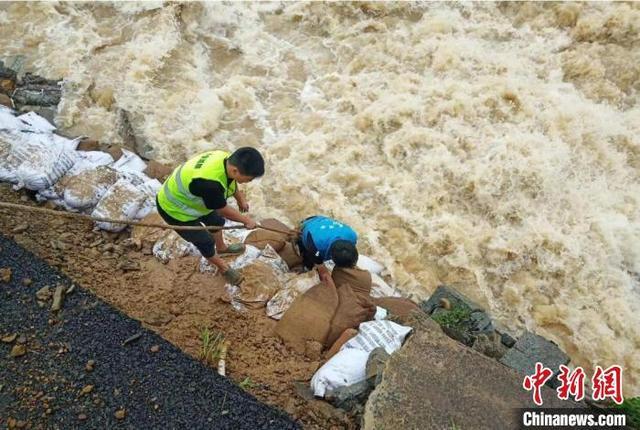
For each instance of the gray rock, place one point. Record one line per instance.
(506, 339)
(481, 323)
(6, 72)
(529, 350)
(375, 366)
(454, 297)
(37, 95)
(434, 382)
(490, 345)
(350, 397)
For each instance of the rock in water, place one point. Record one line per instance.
(37, 91)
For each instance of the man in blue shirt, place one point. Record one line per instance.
(323, 238)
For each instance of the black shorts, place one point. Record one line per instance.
(202, 239)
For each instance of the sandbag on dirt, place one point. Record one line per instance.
(170, 245)
(294, 287)
(347, 367)
(376, 334)
(309, 317)
(85, 189)
(129, 162)
(122, 201)
(148, 236)
(354, 303)
(259, 285)
(397, 306)
(358, 279)
(342, 339)
(353, 309)
(35, 160)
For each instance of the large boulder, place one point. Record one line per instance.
(435, 382)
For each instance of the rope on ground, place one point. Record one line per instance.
(136, 223)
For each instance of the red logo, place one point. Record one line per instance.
(572, 383)
(607, 383)
(536, 381)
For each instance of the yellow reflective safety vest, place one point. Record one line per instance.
(175, 198)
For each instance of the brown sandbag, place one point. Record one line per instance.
(274, 223)
(353, 309)
(342, 339)
(309, 317)
(397, 306)
(290, 256)
(360, 280)
(259, 285)
(261, 238)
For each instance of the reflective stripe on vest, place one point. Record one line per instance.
(183, 208)
(176, 199)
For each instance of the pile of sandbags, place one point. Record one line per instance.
(348, 366)
(34, 157)
(31, 156)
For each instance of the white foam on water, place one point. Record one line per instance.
(494, 147)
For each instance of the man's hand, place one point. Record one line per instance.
(249, 223)
(243, 205)
(323, 272)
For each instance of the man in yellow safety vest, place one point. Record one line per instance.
(196, 193)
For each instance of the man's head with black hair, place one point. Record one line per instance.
(245, 164)
(344, 253)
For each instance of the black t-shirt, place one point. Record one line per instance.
(210, 191)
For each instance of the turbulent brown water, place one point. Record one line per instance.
(495, 147)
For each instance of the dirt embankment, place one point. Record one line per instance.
(177, 302)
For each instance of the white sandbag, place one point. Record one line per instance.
(171, 245)
(8, 119)
(150, 188)
(92, 159)
(346, 368)
(294, 287)
(367, 263)
(375, 334)
(381, 314)
(85, 189)
(122, 202)
(251, 254)
(379, 288)
(33, 160)
(35, 122)
(129, 162)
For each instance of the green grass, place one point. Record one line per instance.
(631, 408)
(211, 345)
(247, 384)
(454, 318)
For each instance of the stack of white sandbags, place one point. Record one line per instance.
(34, 157)
(31, 156)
